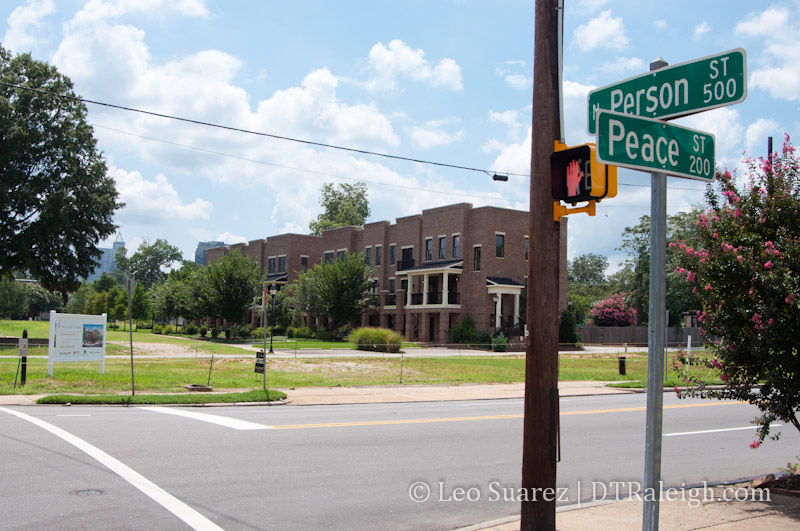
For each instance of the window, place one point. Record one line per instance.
(456, 246)
(368, 255)
(340, 254)
(303, 264)
(328, 257)
(392, 254)
(282, 264)
(526, 247)
(476, 258)
(378, 250)
(441, 247)
(500, 240)
(391, 286)
(271, 265)
(429, 249)
(404, 285)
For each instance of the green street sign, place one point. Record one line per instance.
(677, 90)
(652, 145)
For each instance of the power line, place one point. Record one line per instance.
(315, 172)
(249, 132)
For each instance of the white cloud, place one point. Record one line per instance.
(660, 25)
(602, 31)
(622, 64)
(505, 117)
(24, 18)
(155, 201)
(701, 29)
(230, 238)
(399, 60)
(97, 11)
(757, 134)
(591, 6)
(779, 67)
(429, 137)
(516, 74)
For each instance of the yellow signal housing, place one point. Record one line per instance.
(576, 176)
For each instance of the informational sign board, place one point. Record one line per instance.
(23, 346)
(78, 338)
(652, 145)
(677, 90)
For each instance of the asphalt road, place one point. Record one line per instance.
(343, 467)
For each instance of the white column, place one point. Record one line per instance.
(498, 310)
(444, 288)
(516, 309)
(425, 289)
(408, 291)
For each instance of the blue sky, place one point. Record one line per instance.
(441, 80)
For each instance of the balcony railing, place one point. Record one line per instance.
(435, 297)
(404, 264)
(391, 300)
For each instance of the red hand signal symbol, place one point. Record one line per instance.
(574, 176)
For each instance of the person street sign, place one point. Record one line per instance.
(677, 90)
(652, 145)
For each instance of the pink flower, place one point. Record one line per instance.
(677, 391)
(708, 287)
(768, 264)
(737, 213)
(755, 444)
(740, 258)
(690, 277)
(723, 377)
(715, 363)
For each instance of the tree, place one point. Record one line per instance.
(338, 291)
(613, 311)
(345, 206)
(745, 271)
(40, 300)
(589, 269)
(57, 201)
(148, 263)
(13, 298)
(229, 285)
(140, 305)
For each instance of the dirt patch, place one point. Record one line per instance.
(158, 349)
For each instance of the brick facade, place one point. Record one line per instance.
(435, 257)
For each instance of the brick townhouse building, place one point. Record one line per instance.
(431, 269)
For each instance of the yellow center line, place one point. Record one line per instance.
(484, 417)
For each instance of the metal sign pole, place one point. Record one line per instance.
(655, 350)
(130, 285)
(264, 373)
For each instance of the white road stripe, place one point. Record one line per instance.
(191, 517)
(715, 431)
(236, 424)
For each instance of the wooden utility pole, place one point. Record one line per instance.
(540, 439)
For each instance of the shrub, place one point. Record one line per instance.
(169, 329)
(191, 329)
(465, 331)
(483, 339)
(203, 331)
(113, 326)
(290, 331)
(324, 335)
(499, 343)
(144, 326)
(214, 333)
(613, 311)
(158, 329)
(303, 332)
(245, 332)
(228, 333)
(258, 333)
(376, 339)
(568, 327)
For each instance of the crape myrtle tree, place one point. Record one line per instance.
(745, 269)
(56, 198)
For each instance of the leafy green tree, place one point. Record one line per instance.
(13, 298)
(344, 206)
(105, 283)
(279, 312)
(96, 303)
(147, 265)
(338, 291)
(140, 305)
(78, 299)
(41, 301)
(229, 285)
(745, 271)
(113, 297)
(56, 199)
(588, 269)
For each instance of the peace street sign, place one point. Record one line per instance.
(652, 145)
(677, 90)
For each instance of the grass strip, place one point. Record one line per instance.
(257, 395)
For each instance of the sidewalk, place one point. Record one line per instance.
(781, 513)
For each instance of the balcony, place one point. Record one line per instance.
(416, 299)
(453, 298)
(390, 300)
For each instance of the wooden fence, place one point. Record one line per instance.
(634, 335)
